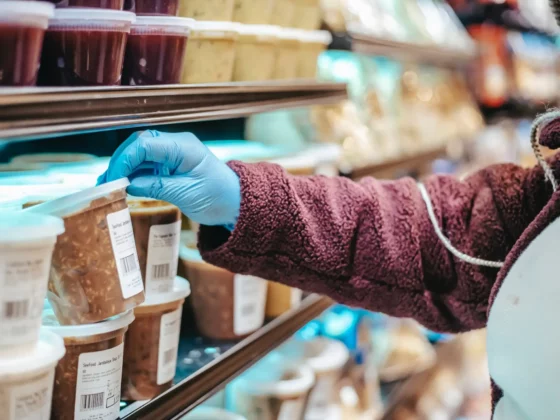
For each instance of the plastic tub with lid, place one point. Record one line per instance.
(274, 389)
(85, 47)
(255, 41)
(313, 43)
(287, 54)
(307, 15)
(155, 50)
(88, 378)
(26, 379)
(21, 169)
(253, 11)
(95, 270)
(156, 7)
(281, 298)
(207, 10)
(210, 413)
(152, 341)
(227, 306)
(52, 159)
(210, 53)
(22, 27)
(26, 248)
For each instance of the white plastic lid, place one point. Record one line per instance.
(290, 34)
(215, 25)
(85, 330)
(321, 354)
(17, 226)
(84, 16)
(319, 37)
(73, 203)
(33, 13)
(46, 353)
(261, 31)
(211, 413)
(154, 24)
(181, 289)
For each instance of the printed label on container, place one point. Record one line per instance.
(290, 410)
(170, 328)
(98, 387)
(23, 282)
(163, 256)
(320, 398)
(249, 303)
(295, 297)
(124, 248)
(31, 400)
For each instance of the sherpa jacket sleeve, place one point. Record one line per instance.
(371, 243)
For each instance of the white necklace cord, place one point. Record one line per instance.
(446, 242)
(535, 134)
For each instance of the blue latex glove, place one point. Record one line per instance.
(179, 169)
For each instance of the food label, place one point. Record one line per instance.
(23, 285)
(170, 327)
(295, 297)
(98, 387)
(31, 400)
(320, 398)
(124, 248)
(291, 410)
(249, 302)
(163, 255)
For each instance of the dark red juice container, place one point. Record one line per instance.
(103, 4)
(85, 47)
(22, 27)
(154, 7)
(155, 50)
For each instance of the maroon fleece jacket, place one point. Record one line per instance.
(371, 244)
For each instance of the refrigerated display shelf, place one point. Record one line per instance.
(31, 113)
(194, 387)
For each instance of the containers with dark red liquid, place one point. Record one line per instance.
(22, 27)
(155, 50)
(85, 47)
(154, 7)
(103, 4)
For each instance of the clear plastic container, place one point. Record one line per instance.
(85, 47)
(287, 54)
(210, 53)
(255, 41)
(26, 380)
(253, 11)
(21, 169)
(283, 13)
(152, 341)
(207, 10)
(313, 43)
(103, 4)
(308, 15)
(226, 306)
(88, 378)
(53, 158)
(157, 233)
(26, 248)
(95, 272)
(280, 299)
(210, 413)
(155, 50)
(156, 7)
(22, 27)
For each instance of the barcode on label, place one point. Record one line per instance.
(160, 271)
(128, 264)
(17, 309)
(248, 309)
(169, 356)
(92, 401)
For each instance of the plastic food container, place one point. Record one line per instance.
(103, 4)
(253, 11)
(53, 158)
(85, 47)
(307, 15)
(207, 10)
(26, 380)
(280, 299)
(21, 169)
(313, 43)
(210, 53)
(95, 272)
(156, 7)
(283, 12)
(287, 54)
(26, 248)
(274, 389)
(255, 41)
(152, 341)
(327, 358)
(22, 27)
(88, 378)
(157, 233)
(226, 306)
(210, 413)
(155, 50)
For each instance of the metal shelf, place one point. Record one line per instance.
(31, 113)
(201, 385)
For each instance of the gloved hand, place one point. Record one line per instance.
(179, 169)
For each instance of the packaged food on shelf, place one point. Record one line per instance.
(283, 12)
(227, 306)
(255, 41)
(287, 54)
(21, 169)
(209, 413)
(207, 10)
(273, 389)
(280, 299)
(308, 15)
(95, 272)
(210, 53)
(53, 158)
(103, 4)
(152, 342)
(85, 47)
(22, 27)
(88, 378)
(26, 379)
(155, 7)
(155, 50)
(313, 43)
(253, 11)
